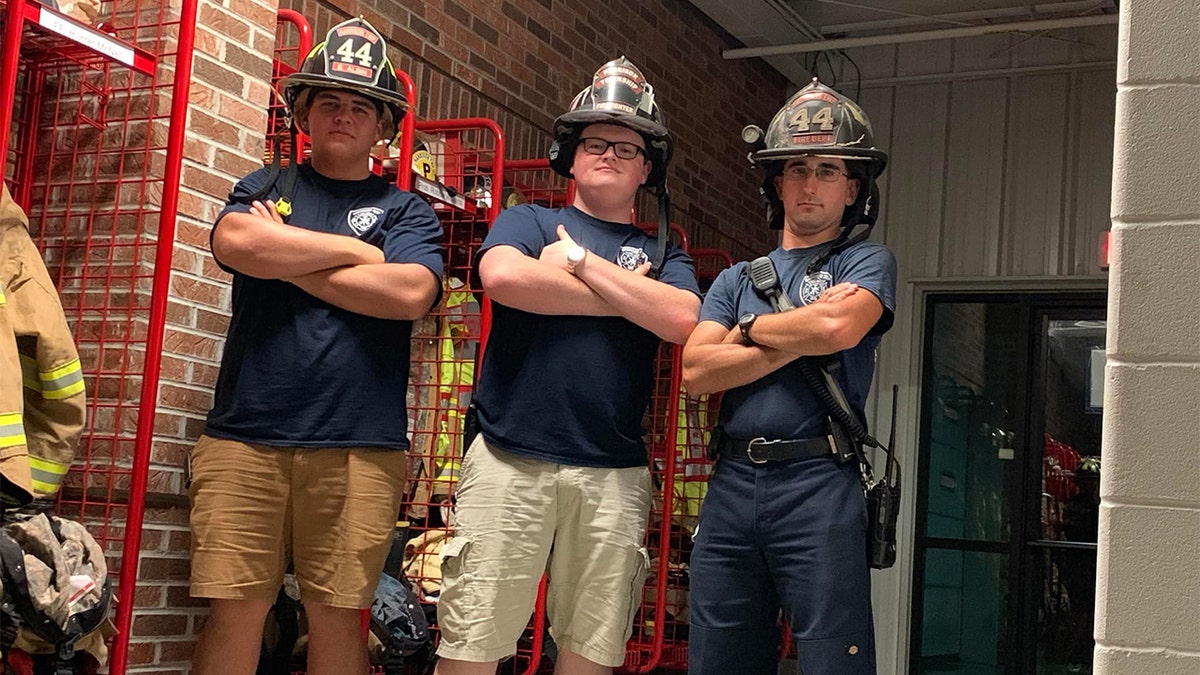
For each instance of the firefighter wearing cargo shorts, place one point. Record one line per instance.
(557, 479)
(303, 455)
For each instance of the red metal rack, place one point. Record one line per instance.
(99, 114)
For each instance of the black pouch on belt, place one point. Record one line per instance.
(470, 426)
(845, 448)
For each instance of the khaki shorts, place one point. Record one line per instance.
(329, 510)
(510, 512)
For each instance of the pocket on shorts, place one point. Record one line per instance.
(453, 556)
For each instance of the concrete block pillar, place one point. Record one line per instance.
(1148, 576)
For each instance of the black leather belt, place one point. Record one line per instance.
(761, 451)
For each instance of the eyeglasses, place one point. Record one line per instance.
(598, 146)
(823, 172)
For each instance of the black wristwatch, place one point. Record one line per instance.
(745, 323)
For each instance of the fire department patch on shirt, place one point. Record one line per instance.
(362, 219)
(631, 257)
(814, 285)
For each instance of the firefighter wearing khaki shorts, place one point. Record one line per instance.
(557, 479)
(303, 456)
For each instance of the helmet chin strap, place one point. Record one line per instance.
(664, 229)
(845, 239)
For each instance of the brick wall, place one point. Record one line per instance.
(520, 62)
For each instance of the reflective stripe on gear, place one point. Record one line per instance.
(47, 475)
(456, 374)
(12, 430)
(41, 382)
(58, 383)
(692, 466)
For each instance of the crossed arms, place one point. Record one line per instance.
(714, 358)
(341, 270)
(598, 288)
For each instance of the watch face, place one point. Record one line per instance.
(576, 254)
(744, 323)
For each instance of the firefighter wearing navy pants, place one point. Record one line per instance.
(783, 526)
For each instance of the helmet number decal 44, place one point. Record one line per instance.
(823, 118)
(347, 53)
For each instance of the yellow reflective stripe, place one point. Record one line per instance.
(48, 466)
(65, 369)
(62, 382)
(43, 489)
(46, 475)
(12, 430)
(448, 471)
(2, 300)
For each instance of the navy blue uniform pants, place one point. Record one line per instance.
(782, 535)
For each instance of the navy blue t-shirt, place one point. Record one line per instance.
(298, 371)
(781, 405)
(572, 389)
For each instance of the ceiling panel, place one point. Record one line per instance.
(771, 23)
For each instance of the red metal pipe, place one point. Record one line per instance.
(147, 402)
(10, 54)
(668, 507)
(297, 19)
(34, 88)
(407, 128)
(526, 164)
(498, 166)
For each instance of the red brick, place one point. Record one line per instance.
(140, 653)
(167, 516)
(180, 597)
(204, 375)
(223, 23)
(159, 624)
(191, 400)
(210, 71)
(179, 541)
(171, 651)
(148, 596)
(170, 453)
(212, 322)
(190, 344)
(164, 569)
(205, 123)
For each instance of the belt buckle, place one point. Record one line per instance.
(750, 449)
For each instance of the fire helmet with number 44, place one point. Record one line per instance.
(819, 122)
(353, 57)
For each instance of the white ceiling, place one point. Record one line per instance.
(765, 23)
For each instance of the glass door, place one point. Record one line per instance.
(1005, 570)
(1059, 553)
